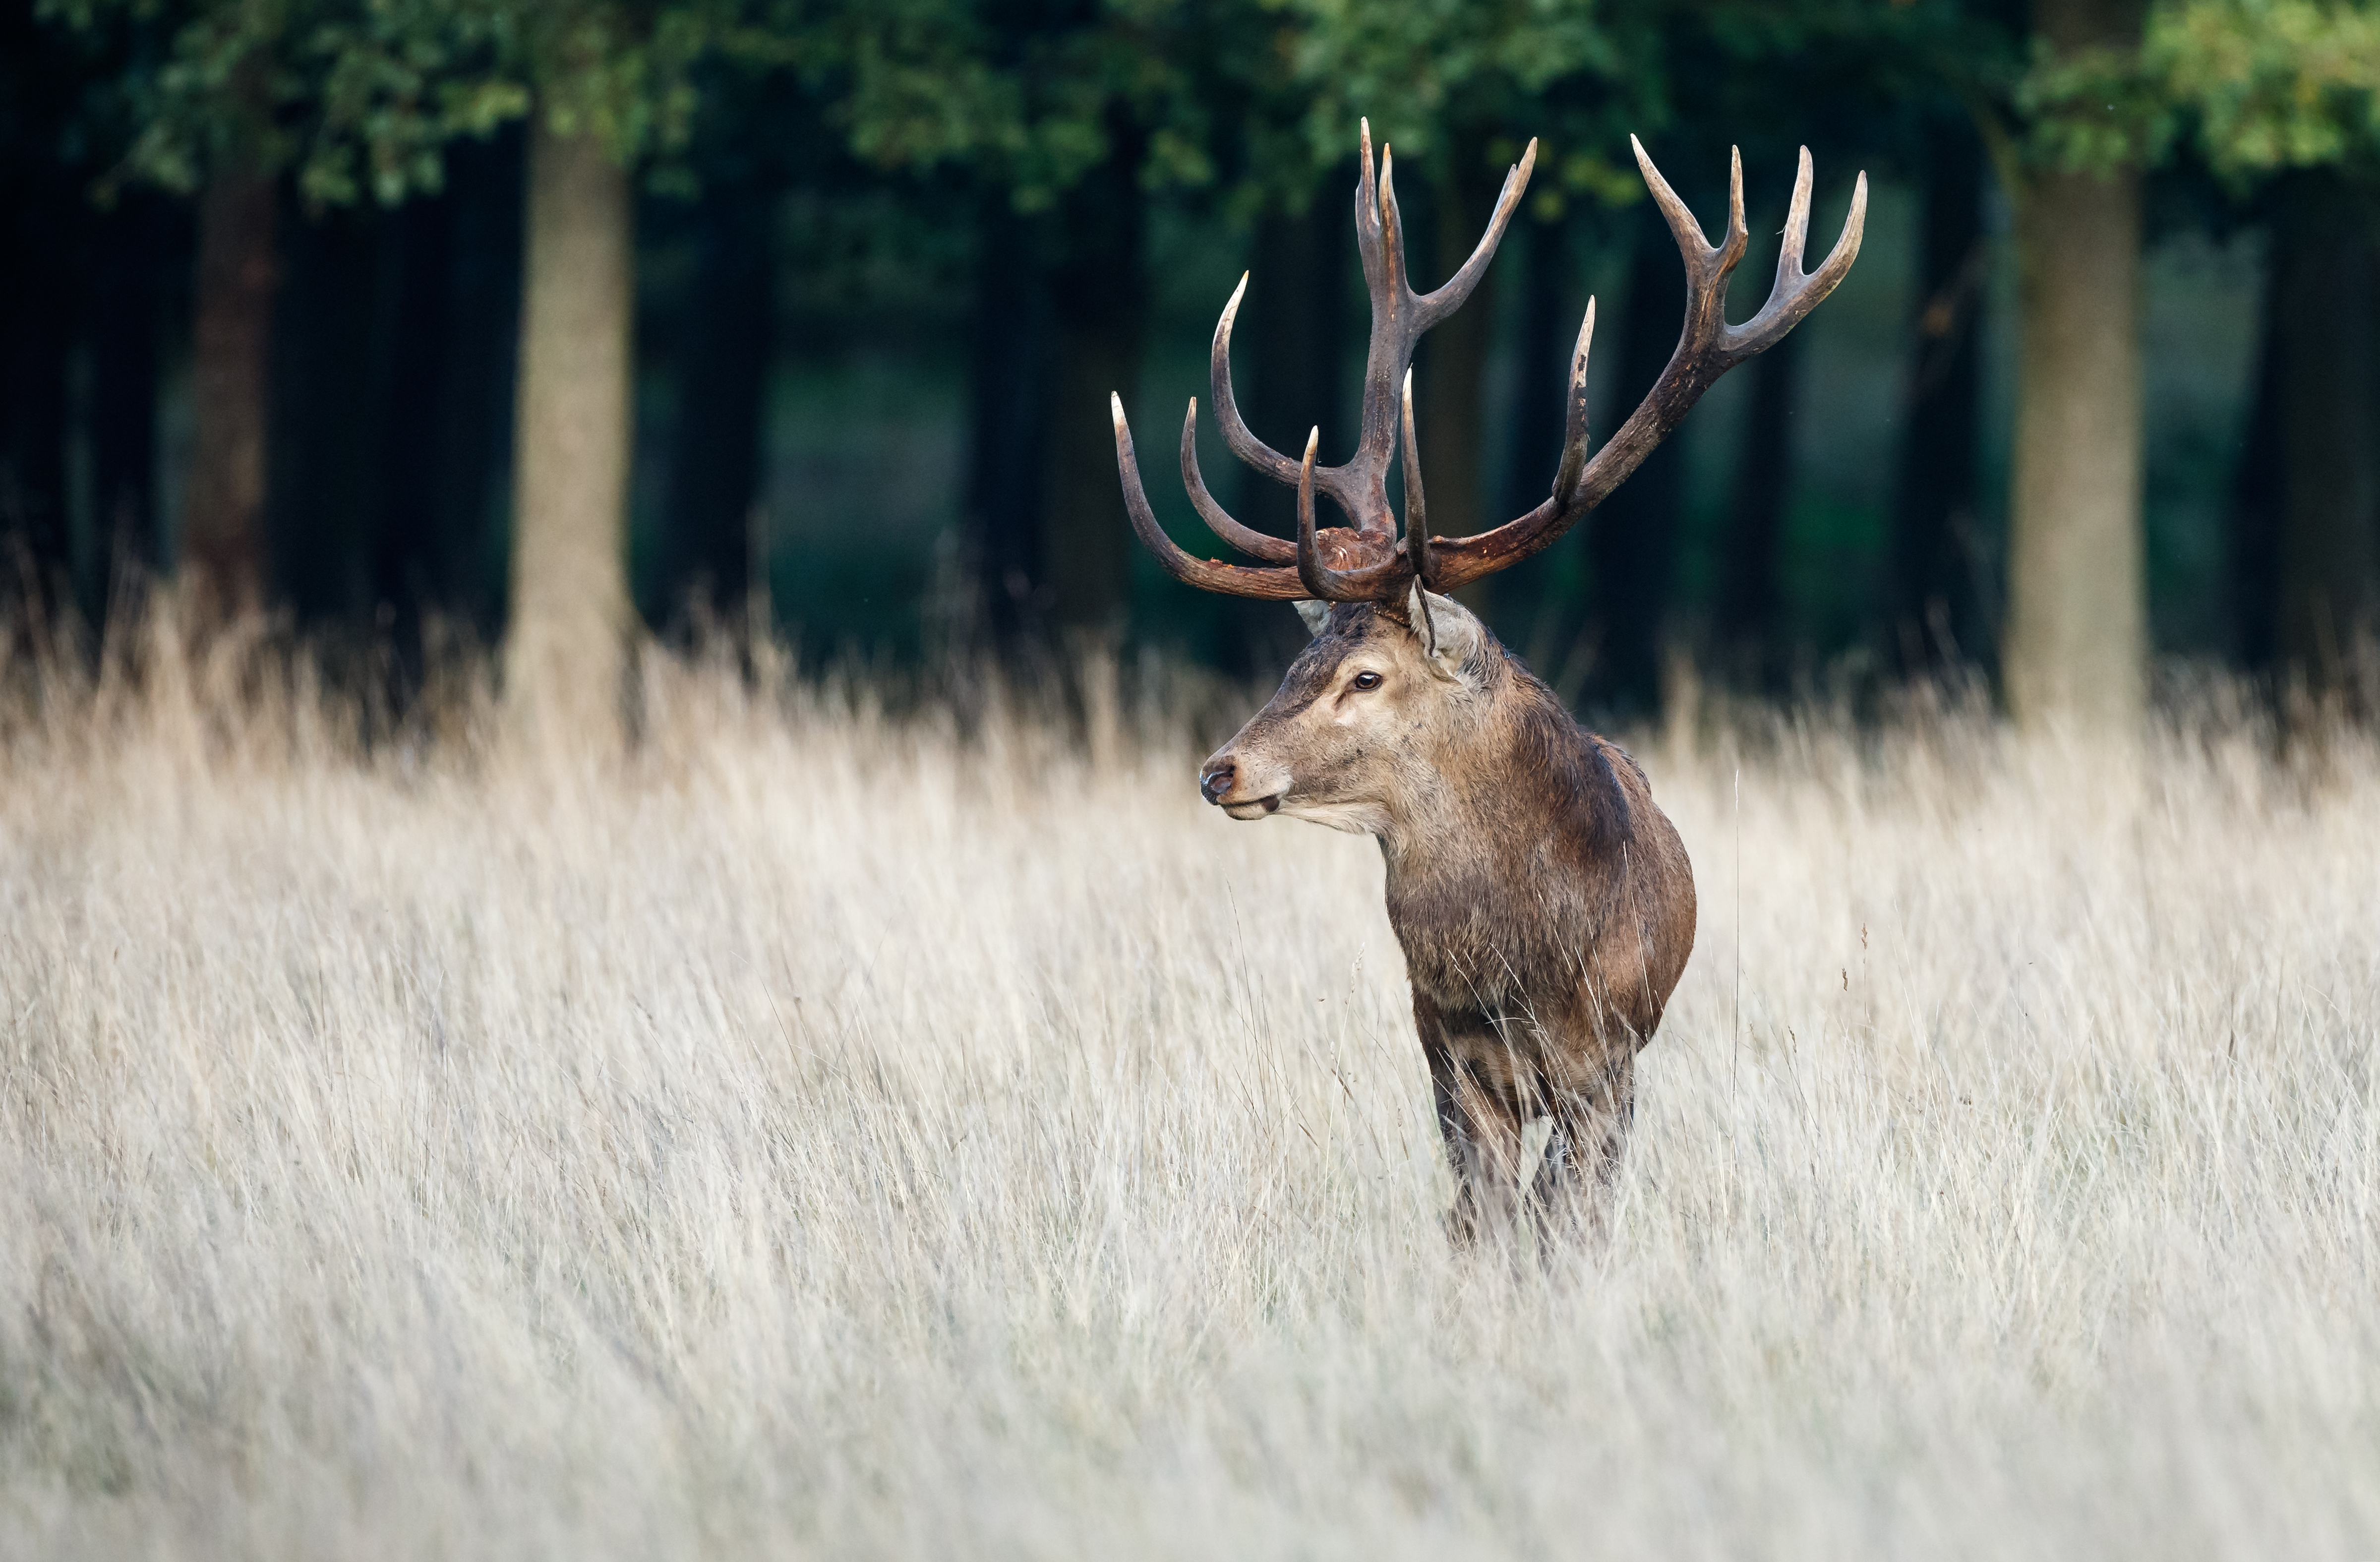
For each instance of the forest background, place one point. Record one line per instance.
(434, 322)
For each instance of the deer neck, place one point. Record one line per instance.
(1459, 805)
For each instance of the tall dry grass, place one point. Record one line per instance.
(828, 1134)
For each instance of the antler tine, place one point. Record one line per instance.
(1797, 224)
(1796, 293)
(1236, 433)
(1368, 195)
(1231, 579)
(1573, 456)
(1446, 299)
(1689, 233)
(1417, 510)
(1272, 550)
(1738, 234)
(1367, 215)
(1311, 570)
(1368, 583)
(1707, 347)
(1708, 264)
(1392, 230)
(1360, 485)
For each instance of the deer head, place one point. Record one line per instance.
(1358, 736)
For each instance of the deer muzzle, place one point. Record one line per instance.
(1228, 784)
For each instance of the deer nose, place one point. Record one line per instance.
(1218, 780)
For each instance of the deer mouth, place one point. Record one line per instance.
(1254, 808)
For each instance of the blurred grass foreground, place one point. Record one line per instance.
(844, 1128)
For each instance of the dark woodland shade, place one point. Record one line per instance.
(1552, 295)
(395, 339)
(87, 292)
(1751, 594)
(1934, 612)
(714, 473)
(40, 290)
(1008, 370)
(1061, 317)
(2306, 502)
(1451, 383)
(1100, 321)
(1296, 314)
(1634, 544)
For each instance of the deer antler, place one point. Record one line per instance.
(1399, 318)
(1366, 563)
(1336, 564)
(1707, 347)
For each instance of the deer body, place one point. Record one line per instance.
(1545, 905)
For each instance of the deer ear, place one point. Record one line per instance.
(1316, 615)
(1449, 634)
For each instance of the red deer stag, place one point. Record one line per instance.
(1545, 905)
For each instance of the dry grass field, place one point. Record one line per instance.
(824, 1134)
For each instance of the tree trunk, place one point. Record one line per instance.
(1935, 614)
(1750, 604)
(565, 650)
(2329, 419)
(2076, 643)
(1450, 382)
(221, 553)
(715, 473)
(1099, 294)
(1633, 538)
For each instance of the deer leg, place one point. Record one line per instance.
(1479, 1119)
(1591, 1115)
(1483, 1143)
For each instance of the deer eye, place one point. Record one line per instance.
(1364, 681)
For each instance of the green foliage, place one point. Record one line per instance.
(2264, 85)
(2252, 87)
(391, 85)
(1424, 70)
(2092, 109)
(1251, 101)
(360, 97)
(1030, 98)
(1248, 99)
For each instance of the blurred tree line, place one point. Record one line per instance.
(402, 314)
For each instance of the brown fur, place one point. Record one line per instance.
(1545, 905)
